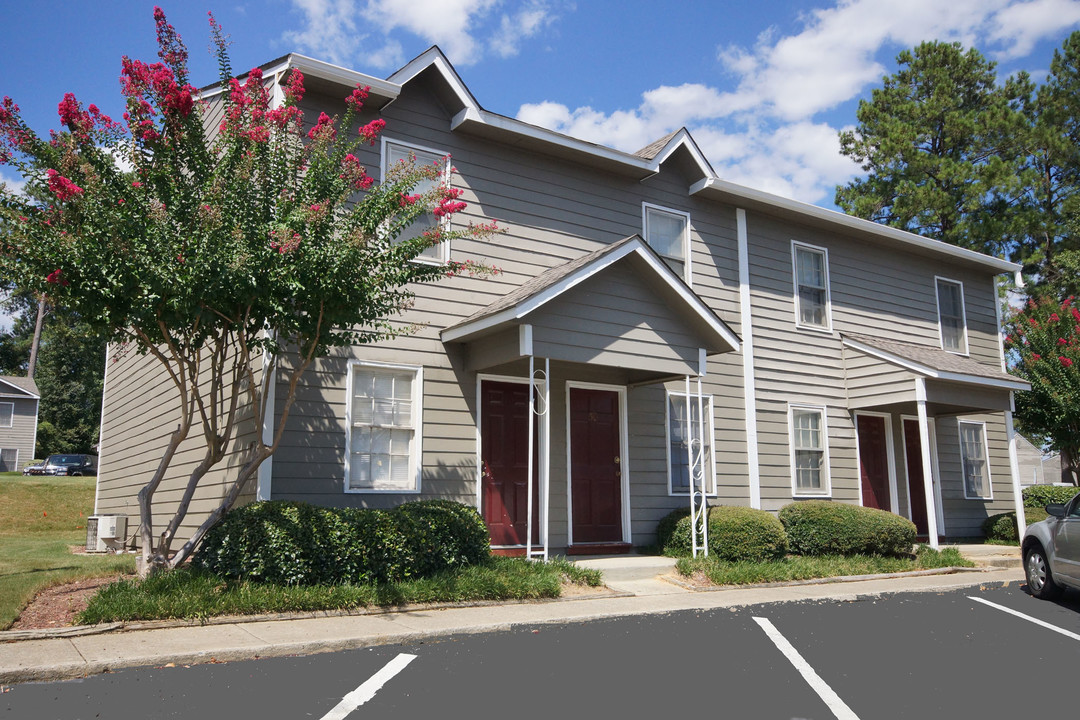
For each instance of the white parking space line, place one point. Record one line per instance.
(367, 690)
(1046, 625)
(832, 700)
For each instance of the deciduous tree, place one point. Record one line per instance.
(218, 259)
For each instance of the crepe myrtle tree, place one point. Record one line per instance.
(1043, 342)
(220, 259)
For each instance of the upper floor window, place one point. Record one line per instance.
(811, 286)
(396, 152)
(809, 450)
(668, 233)
(382, 444)
(973, 457)
(679, 436)
(951, 318)
(7, 414)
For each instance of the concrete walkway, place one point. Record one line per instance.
(637, 585)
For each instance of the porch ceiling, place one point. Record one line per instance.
(620, 306)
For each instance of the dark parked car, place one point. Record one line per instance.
(71, 465)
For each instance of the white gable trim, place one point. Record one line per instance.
(636, 245)
(19, 391)
(936, 374)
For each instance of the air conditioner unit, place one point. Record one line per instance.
(105, 532)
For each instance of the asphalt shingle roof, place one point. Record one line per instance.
(934, 358)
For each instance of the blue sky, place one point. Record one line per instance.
(764, 86)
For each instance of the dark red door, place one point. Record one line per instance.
(916, 490)
(873, 461)
(504, 463)
(595, 466)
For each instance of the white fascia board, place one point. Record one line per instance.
(937, 374)
(20, 391)
(434, 56)
(838, 218)
(343, 76)
(501, 122)
(583, 273)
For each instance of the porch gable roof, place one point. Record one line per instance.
(13, 386)
(933, 362)
(557, 281)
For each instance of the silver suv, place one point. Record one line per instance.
(1052, 551)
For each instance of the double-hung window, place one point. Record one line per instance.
(382, 448)
(668, 233)
(9, 460)
(973, 458)
(397, 152)
(809, 450)
(951, 318)
(811, 271)
(7, 414)
(679, 435)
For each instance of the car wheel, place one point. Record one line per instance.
(1039, 578)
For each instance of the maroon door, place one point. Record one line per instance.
(873, 461)
(916, 490)
(595, 466)
(504, 463)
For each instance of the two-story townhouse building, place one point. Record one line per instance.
(817, 355)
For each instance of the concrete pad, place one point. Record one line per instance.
(36, 660)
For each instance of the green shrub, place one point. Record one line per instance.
(823, 527)
(294, 543)
(1002, 526)
(667, 527)
(1039, 496)
(735, 533)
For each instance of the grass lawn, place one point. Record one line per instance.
(193, 594)
(797, 567)
(40, 517)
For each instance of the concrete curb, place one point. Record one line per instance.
(674, 580)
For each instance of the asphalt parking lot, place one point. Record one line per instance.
(960, 653)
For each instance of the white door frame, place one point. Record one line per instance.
(935, 470)
(624, 461)
(544, 447)
(890, 454)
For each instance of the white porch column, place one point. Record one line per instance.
(928, 468)
(1014, 467)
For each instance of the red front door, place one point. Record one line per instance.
(873, 461)
(916, 490)
(595, 466)
(504, 463)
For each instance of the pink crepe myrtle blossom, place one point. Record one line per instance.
(407, 200)
(294, 88)
(369, 133)
(1065, 362)
(56, 277)
(61, 186)
(284, 241)
(356, 99)
(324, 128)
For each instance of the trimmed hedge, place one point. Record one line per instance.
(294, 543)
(1003, 525)
(735, 533)
(1039, 496)
(823, 527)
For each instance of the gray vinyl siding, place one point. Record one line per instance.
(874, 289)
(141, 409)
(20, 436)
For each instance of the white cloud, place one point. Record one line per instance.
(364, 33)
(13, 181)
(763, 131)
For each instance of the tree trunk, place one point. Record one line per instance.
(1070, 466)
(32, 365)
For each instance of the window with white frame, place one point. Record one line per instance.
(809, 450)
(974, 459)
(397, 152)
(678, 452)
(951, 318)
(668, 233)
(383, 441)
(7, 414)
(811, 270)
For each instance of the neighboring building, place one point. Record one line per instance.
(838, 358)
(18, 421)
(1033, 464)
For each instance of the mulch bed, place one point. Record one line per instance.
(58, 605)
